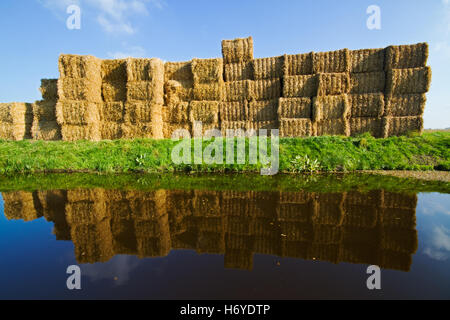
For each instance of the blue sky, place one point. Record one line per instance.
(34, 33)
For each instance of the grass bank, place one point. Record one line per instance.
(429, 151)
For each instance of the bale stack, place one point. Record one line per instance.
(408, 78)
(16, 119)
(114, 93)
(145, 99)
(79, 97)
(208, 93)
(20, 205)
(45, 126)
(178, 92)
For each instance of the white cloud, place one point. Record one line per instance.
(439, 248)
(132, 51)
(119, 268)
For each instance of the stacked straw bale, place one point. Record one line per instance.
(79, 97)
(20, 205)
(45, 126)
(16, 119)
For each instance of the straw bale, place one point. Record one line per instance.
(177, 91)
(333, 83)
(179, 71)
(265, 110)
(142, 111)
(296, 128)
(332, 61)
(207, 70)
(14, 112)
(237, 91)
(296, 231)
(77, 112)
(144, 69)
(10, 131)
(340, 127)
(239, 71)
(152, 130)
(46, 130)
(81, 132)
(370, 82)
(80, 67)
(76, 195)
(367, 60)
(111, 130)
(398, 218)
(300, 86)
(19, 205)
(79, 89)
(265, 89)
(49, 89)
(325, 234)
(362, 216)
(362, 125)
(296, 197)
(295, 108)
(237, 50)
(395, 260)
(397, 126)
(114, 70)
(209, 91)
(247, 125)
(114, 91)
(44, 110)
(330, 107)
(178, 113)
(399, 200)
(112, 111)
(298, 64)
(233, 111)
(269, 68)
(369, 105)
(205, 111)
(404, 81)
(150, 91)
(399, 240)
(170, 128)
(405, 105)
(406, 56)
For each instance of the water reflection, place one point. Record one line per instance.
(378, 227)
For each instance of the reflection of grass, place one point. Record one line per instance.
(238, 182)
(426, 152)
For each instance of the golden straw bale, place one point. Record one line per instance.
(367, 60)
(298, 64)
(114, 91)
(265, 89)
(295, 108)
(237, 50)
(233, 111)
(19, 205)
(112, 111)
(142, 130)
(268, 68)
(330, 107)
(404, 81)
(80, 67)
(81, 132)
(14, 112)
(248, 127)
(49, 89)
(333, 127)
(362, 125)
(177, 91)
(207, 70)
(179, 71)
(11, 131)
(149, 91)
(237, 91)
(370, 82)
(263, 125)
(77, 112)
(79, 89)
(398, 126)
(369, 105)
(332, 61)
(239, 71)
(114, 70)
(44, 110)
(296, 128)
(405, 105)
(204, 129)
(406, 56)
(46, 130)
(333, 83)
(300, 86)
(205, 111)
(170, 128)
(178, 113)
(265, 110)
(144, 69)
(142, 111)
(213, 91)
(111, 130)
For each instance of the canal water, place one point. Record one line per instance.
(224, 244)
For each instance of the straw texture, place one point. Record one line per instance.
(339, 127)
(362, 125)
(370, 82)
(396, 126)
(49, 89)
(300, 86)
(80, 67)
(265, 110)
(239, 71)
(295, 108)
(237, 50)
(265, 89)
(405, 105)
(369, 105)
(205, 111)
(236, 91)
(332, 62)
(406, 56)
(206, 71)
(234, 111)
(268, 68)
(77, 112)
(367, 60)
(145, 70)
(298, 64)
(333, 83)
(296, 128)
(330, 107)
(404, 81)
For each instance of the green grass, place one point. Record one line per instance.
(429, 151)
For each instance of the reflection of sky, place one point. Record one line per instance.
(433, 217)
(118, 268)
